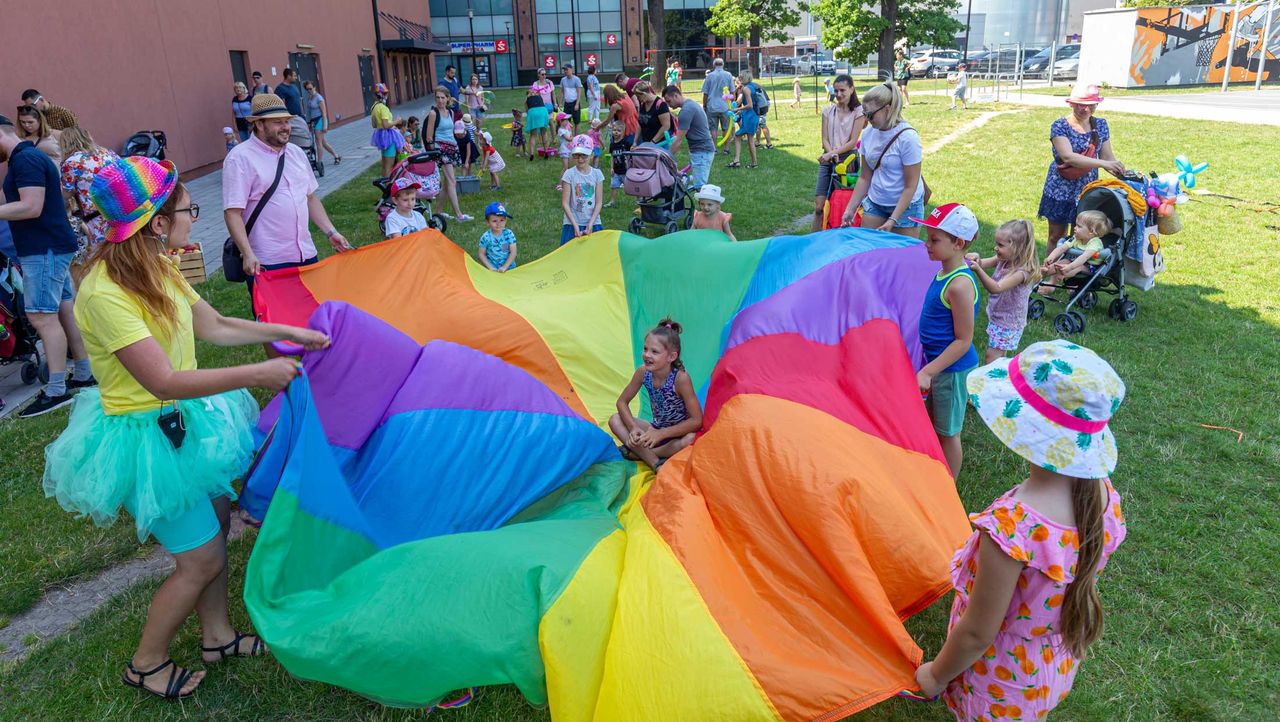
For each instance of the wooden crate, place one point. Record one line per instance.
(191, 265)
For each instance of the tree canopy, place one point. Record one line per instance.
(757, 20)
(858, 28)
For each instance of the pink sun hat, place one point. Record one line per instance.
(129, 191)
(1085, 94)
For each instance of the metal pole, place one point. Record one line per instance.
(1231, 45)
(511, 48)
(1057, 36)
(1262, 45)
(968, 31)
(471, 26)
(573, 24)
(377, 37)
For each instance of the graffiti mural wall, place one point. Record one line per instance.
(1189, 45)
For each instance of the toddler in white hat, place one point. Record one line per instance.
(709, 214)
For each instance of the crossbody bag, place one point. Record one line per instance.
(1073, 172)
(232, 258)
(928, 192)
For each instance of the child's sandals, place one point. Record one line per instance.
(173, 686)
(734, 164)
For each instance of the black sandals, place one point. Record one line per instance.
(172, 689)
(257, 649)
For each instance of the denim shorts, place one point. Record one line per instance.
(567, 232)
(701, 168)
(915, 210)
(46, 281)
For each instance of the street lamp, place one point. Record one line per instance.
(471, 16)
(511, 48)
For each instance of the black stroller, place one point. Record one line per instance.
(301, 135)
(661, 191)
(1107, 276)
(18, 338)
(148, 143)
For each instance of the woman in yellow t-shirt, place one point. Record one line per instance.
(158, 437)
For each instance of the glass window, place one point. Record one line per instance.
(588, 21)
(481, 7)
(484, 25)
(440, 26)
(610, 61)
(588, 40)
(611, 5)
(502, 7)
(564, 6)
(588, 5)
(439, 8)
(612, 23)
(458, 26)
(548, 41)
(545, 6)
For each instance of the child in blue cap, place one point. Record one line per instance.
(498, 244)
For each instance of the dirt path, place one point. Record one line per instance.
(63, 607)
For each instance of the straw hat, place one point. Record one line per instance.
(1085, 94)
(129, 191)
(1051, 405)
(268, 105)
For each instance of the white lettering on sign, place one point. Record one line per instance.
(548, 61)
(568, 41)
(611, 39)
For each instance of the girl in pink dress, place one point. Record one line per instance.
(1026, 605)
(709, 214)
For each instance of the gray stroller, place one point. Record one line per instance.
(300, 135)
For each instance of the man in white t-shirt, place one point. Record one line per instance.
(571, 89)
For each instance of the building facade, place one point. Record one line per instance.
(134, 65)
(505, 42)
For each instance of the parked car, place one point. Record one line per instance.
(1066, 69)
(817, 63)
(779, 64)
(923, 65)
(1006, 61)
(1039, 63)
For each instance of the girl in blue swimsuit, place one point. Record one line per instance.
(677, 415)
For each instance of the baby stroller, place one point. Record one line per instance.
(840, 192)
(300, 135)
(18, 340)
(1127, 228)
(422, 169)
(662, 193)
(147, 143)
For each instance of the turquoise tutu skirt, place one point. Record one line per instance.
(101, 463)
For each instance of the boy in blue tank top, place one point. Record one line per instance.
(946, 326)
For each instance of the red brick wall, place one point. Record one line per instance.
(136, 64)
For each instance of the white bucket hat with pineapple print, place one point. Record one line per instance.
(1051, 404)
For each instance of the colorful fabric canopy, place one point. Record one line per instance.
(443, 509)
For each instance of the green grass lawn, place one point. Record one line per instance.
(1063, 88)
(1190, 597)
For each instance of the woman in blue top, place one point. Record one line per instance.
(241, 108)
(677, 415)
(1071, 136)
(318, 119)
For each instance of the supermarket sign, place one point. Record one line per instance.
(481, 46)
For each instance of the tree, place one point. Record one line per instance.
(657, 28)
(757, 19)
(857, 31)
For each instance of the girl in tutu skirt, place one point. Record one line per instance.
(160, 438)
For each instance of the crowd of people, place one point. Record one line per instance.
(91, 232)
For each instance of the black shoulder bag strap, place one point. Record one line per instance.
(232, 259)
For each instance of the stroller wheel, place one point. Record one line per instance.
(1128, 310)
(688, 221)
(438, 222)
(671, 227)
(1078, 319)
(1064, 324)
(1088, 300)
(636, 226)
(29, 373)
(1116, 309)
(1035, 309)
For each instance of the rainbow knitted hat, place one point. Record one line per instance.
(129, 192)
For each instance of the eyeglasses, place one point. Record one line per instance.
(193, 209)
(870, 113)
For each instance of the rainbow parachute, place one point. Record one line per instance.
(443, 509)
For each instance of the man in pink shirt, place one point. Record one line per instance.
(280, 236)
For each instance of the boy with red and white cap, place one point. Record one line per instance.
(946, 326)
(404, 219)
